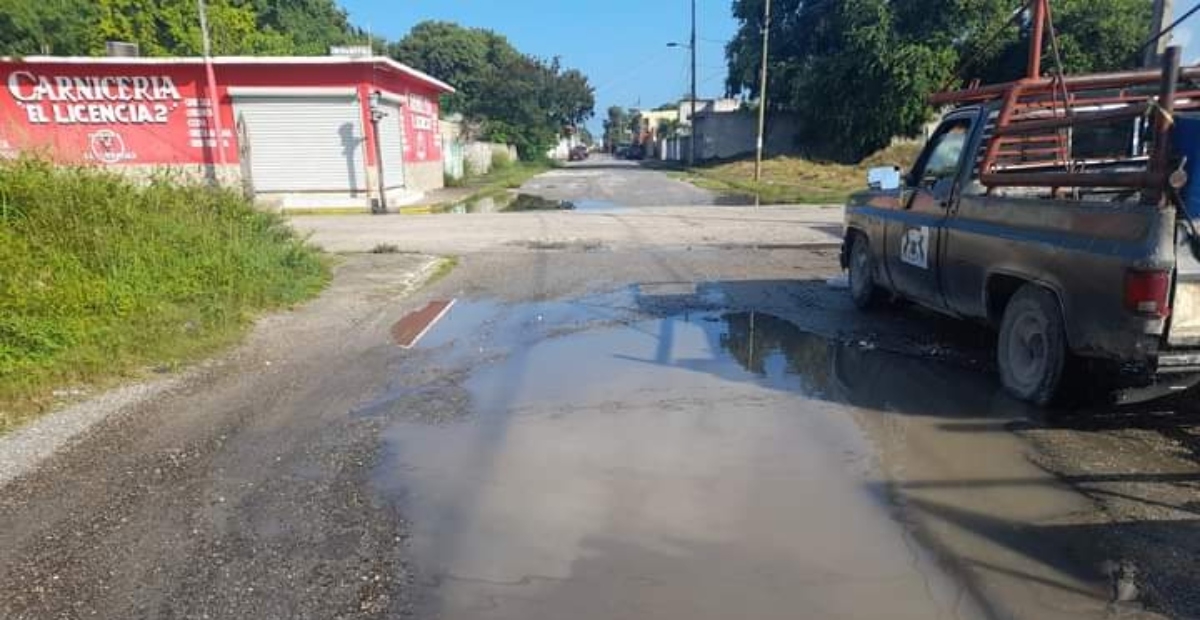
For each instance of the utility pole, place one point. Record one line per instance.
(213, 100)
(1158, 22)
(692, 47)
(762, 92)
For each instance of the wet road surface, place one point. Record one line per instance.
(625, 183)
(653, 453)
(651, 430)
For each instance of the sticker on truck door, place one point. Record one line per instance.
(914, 247)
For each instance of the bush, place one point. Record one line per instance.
(99, 275)
(501, 161)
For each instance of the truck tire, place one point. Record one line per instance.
(863, 289)
(1032, 351)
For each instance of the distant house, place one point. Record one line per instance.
(706, 106)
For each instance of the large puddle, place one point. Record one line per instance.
(510, 202)
(513, 202)
(612, 462)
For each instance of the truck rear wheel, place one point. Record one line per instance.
(1033, 347)
(863, 290)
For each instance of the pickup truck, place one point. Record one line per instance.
(1103, 283)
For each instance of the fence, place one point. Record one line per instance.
(473, 158)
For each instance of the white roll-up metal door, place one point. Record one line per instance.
(304, 143)
(391, 145)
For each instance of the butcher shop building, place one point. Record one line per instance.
(295, 132)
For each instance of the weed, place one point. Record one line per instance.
(100, 276)
(787, 180)
(501, 161)
(385, 248)
(446, 265)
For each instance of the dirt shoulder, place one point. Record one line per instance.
(233, 490)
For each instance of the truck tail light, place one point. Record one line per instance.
(1147, 292)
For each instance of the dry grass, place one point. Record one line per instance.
(794, 180)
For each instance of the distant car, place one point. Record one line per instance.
(622, 152)
(635, 151)
(578, 153)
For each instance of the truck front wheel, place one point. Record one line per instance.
(1032, 350)
(863, 290)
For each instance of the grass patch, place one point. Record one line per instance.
(503, 177)
(445, 266)
(788, 180)
(101, 277)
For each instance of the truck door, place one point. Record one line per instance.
(915, 232)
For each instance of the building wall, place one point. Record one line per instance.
(479, 156)
(151, 116)
(706, 106)
(652, 118)
(425, 176)
(729, 134)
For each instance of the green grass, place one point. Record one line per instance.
(446, 265)
(788, 180)
(101, 278)
(504, 175)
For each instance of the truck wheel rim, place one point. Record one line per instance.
(1028, 350)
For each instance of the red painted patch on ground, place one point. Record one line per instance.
(408, 330)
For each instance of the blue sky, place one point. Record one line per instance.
(621, 45)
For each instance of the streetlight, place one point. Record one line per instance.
(377, 114)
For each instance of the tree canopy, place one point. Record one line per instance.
(519, 99)
(171, 27)
(858, 72)
(616, 126)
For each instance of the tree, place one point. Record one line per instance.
(616, 127)
(858, 72)
(62, 27)
(172, 27)
(519, 99)
(311, 25)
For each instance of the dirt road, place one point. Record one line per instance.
(627, 429)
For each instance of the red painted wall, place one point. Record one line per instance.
(112, 114)
(422, 136)
(159, 114)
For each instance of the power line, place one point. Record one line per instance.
(1169, 28)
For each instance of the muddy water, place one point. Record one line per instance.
(518, 202)
(701, 463)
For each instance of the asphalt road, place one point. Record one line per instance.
(631, 428)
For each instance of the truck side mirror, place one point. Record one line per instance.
(883, 178)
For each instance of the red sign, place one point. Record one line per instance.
(422, 140)
(147, 114)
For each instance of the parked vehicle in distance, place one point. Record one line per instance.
(1080, 257)
(578, 153)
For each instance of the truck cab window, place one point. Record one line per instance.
(940, 159)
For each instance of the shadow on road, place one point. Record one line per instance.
(1149, 518)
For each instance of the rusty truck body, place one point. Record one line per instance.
(1052, 209)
